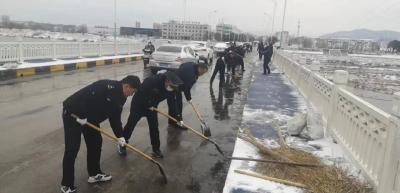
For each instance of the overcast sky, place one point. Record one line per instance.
(317, 17)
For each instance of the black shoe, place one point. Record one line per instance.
(157, 153)
(121, 150)
(67, 189)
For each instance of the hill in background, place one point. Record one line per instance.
(365, 34)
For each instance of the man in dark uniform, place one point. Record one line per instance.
(153, 90)
(260, 50)
(239, 61)
(95, 103)
(188, 73)
(267, 58)
(219, 68)
(230, 61)
(150, 47)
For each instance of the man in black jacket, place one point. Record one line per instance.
(149, 47)
(153, 90)
(219, 68)
(260, 50)
(268, 51)
(188, 73)
(230, 61)
(95, 103)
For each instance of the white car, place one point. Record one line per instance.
(171, 56)
(220, 47)
(204, 52)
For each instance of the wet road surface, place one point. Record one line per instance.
(32, 138)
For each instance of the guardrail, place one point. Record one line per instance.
(369, 135)
(20, 51)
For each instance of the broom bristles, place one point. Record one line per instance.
(325, 179)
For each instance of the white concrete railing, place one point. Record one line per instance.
(20, 51)
(369, 135)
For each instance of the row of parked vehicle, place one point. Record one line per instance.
(170, 56)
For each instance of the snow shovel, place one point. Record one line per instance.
(204, 128)
(190, 128)
(128, 146)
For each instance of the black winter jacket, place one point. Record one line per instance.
(103, 99)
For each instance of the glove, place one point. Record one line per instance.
(180, 123)
(81, 121)
(121, 142)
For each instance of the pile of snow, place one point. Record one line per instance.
(314, 129)
(296, 125)
(10, 65)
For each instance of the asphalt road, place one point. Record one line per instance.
(32, 138)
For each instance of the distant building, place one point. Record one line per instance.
(131, 31)
(185, 30)
(157, 26)
(101, 30)
(5, 20)
(285, 38)
(137, 24)
(228, 32)
(351, 46)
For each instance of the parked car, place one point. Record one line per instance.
(204, 52)
(171, 56)
(220, 47)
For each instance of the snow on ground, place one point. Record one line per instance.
(59, 62)
(326, 149)
(242, 183)
(303, 52)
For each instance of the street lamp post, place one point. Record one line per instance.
(115, 27)
(283, 23)
(273, 20)
(184, 19)
(210, 17)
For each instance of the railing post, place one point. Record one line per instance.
(100, 54)
(20, 53)
(54, 51)
(396, 104)
(390, 176)
(115, 49)
(80, 50)
(341, 78)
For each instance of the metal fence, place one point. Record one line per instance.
(369, 135)
(20, 51)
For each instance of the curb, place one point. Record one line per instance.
(26, 72)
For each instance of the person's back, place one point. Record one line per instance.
(96, 100)
(151, 92)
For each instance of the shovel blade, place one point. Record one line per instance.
(205, 130)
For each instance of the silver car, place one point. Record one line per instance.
(204, 52)
(171, 56)
(220, 47)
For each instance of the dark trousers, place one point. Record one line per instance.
(219, 68)
(231, 67)
(266, 66)
(175, 107)
(152, 120)
(260, 55)
(93, 139)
